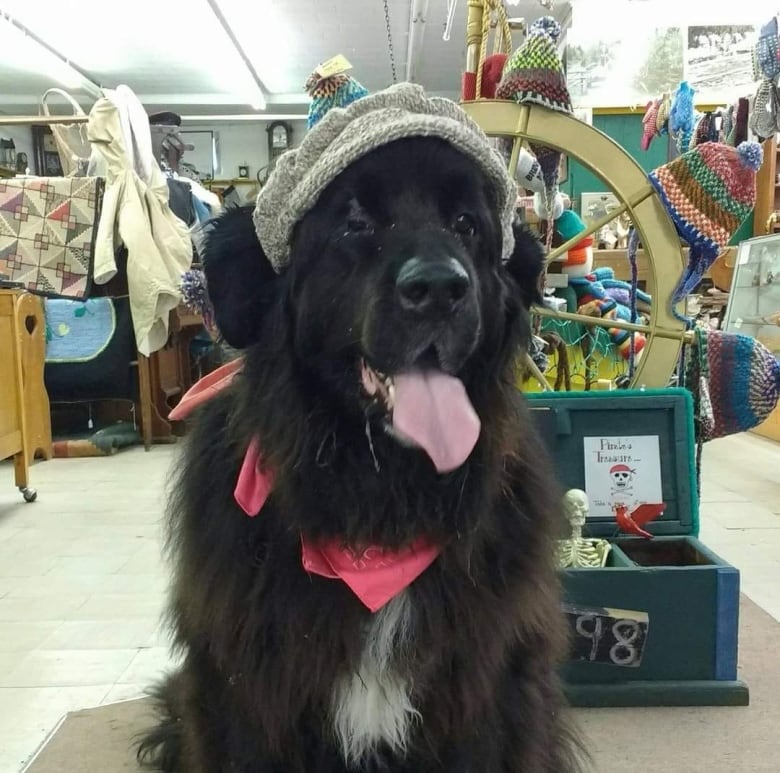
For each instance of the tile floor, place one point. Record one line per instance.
(82, 580)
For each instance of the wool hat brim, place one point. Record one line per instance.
(345, 135)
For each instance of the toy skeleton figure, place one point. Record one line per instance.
(578, 551)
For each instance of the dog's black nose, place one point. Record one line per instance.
(432, 285)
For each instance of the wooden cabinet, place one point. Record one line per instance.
(25, 423)
(767, 192)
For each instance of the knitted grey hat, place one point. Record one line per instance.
(346, 134)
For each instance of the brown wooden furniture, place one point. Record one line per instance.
(765, 219)
(25, 423)
(165, 376)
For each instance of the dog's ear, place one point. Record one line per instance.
(239, 277)
(526, 263)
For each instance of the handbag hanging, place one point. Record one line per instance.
(48, 228)
(73, 146)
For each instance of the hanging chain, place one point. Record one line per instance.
(390, 41)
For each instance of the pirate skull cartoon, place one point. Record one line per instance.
(622, 477)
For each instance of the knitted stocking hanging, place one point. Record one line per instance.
(727, 124)
(662, 119)
(739, 132)
(703, 129)
(765, 110)
(767, 52)
(681, 116)
(650, 123)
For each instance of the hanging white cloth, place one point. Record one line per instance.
(136, 213)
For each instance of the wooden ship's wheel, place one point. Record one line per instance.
(624, 177)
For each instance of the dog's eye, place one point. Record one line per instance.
(465, 224)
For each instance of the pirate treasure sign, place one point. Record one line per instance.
(622, 472)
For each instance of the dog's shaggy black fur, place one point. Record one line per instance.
(263, 642)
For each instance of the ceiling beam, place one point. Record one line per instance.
(418, 18)
(217, 10)
(89, 83)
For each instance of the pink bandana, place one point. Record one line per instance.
(375, 575)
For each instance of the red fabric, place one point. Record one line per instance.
(469, 86)
(491, 75)
(374, 575)
(205, 389)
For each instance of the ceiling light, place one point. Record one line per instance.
(241, 117)
(257, 100)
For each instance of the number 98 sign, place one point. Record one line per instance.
(612, 636)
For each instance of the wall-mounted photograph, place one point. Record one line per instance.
(718, 60)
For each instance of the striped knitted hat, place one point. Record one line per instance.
(534, 73)
(337, 90)
(743, 378)
(708, 192)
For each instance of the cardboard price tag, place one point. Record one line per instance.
(335, 66)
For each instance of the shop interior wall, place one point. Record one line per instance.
(247, 143)
(22, 137)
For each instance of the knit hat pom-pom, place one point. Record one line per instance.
(546, 26)
(751, 155)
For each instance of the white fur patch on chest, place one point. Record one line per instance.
(372, 706)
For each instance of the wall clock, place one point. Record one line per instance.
(279, 140)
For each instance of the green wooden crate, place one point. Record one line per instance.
(689, 594)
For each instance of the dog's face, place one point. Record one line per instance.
(396, 295)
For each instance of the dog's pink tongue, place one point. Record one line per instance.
(433, 410)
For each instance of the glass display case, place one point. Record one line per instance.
(754, 301)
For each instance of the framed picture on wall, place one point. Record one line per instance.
(46, 159)
(204, 152)
(719, 61)
(594, 207)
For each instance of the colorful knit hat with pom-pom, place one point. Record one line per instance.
(331, 90)
(708, 192)
(534, 73)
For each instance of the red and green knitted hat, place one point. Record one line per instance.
(708, 192)
(534, 73)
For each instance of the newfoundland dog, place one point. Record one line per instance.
(378, 592)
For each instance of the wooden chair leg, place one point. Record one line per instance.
(145, 388)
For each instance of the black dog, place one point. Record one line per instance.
(395, 295)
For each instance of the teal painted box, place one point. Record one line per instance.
(689, 594)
